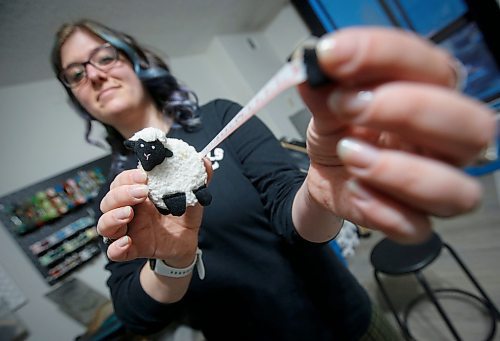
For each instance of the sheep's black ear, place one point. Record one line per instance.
(129, 144)
(168, 152)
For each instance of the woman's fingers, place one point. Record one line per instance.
(113, 224)
(127, 189)
(452, 127)
(122, 250)
(136, 227)
(125, 195)
(394, 90)
(375, 55)
(362, 57)
(129, 177)
(377, 211)
(423, 184)
(208, 167)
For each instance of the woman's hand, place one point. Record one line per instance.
(139, 230)
(386, 138)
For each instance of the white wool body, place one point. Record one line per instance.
(181, 173)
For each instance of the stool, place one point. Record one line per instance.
(395, 259)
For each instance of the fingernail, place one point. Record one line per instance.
(349, 103)
(332, 50)
(356, 153)
(122, 242)
(122, 213)
(139, 191)
(139, 176)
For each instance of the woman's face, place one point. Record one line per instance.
(109, 96)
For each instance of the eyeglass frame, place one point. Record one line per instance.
(62, 77)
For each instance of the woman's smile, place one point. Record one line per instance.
(106, 93)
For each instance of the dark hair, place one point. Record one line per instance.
(173, 99)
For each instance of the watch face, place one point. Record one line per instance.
(152, 263)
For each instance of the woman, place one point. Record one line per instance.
(264, 238)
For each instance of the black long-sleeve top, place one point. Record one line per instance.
(263, 281)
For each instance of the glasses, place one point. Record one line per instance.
(102, 58)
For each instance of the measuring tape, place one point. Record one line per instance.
(291, 74)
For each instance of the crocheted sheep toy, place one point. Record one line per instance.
(176, 173)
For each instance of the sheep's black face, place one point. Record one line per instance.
(150, 154)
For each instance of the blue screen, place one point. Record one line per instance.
(427, 18)
(352, 13)
(467, 45)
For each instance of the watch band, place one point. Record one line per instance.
(161, 268)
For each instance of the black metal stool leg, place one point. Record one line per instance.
(404, 330)
(438, 306)
(488, 301)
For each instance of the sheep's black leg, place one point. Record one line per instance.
(164, 211)
(203, 195)
(176, 203)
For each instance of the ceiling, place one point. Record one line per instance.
(27, 27)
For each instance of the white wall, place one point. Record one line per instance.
(247, 61)
(197, 72)
(286, 32)
(39, 134)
